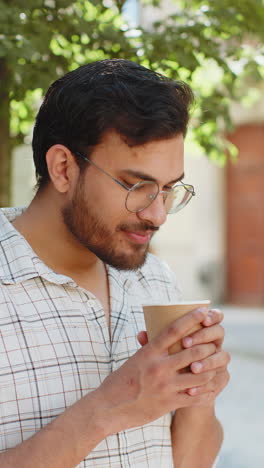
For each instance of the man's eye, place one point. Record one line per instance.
(128, 184)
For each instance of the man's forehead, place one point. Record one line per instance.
(160, 160)
(114, 149)
(146, 176)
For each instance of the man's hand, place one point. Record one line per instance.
(196, 433)
(150, 384)
(212, 332)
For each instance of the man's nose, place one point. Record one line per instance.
(155, 213)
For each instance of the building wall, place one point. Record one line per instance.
(245, 218)
(23, 176)
(193, 240)
(216, 246)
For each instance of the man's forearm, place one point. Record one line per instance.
(63, 443)
(197, 437)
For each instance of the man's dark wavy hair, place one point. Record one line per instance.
(138, 103)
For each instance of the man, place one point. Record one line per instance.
(80, 385)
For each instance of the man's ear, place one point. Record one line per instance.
(62, 167)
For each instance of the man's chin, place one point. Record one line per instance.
(127, 262)
(127, 257)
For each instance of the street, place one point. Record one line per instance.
(240, 408)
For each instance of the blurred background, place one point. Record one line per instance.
(216, 244)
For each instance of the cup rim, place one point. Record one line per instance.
(173, 303)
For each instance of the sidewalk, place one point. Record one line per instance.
(240, 407)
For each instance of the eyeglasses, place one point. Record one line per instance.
(142, 194)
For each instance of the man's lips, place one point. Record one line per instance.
(139, 237)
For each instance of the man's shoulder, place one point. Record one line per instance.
(6, 236)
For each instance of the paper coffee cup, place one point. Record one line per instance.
(160, 316)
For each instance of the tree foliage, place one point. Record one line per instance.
(41, 40)
(217, 47)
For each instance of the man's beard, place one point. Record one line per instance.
(89, 230)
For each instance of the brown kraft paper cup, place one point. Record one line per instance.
(160, 316)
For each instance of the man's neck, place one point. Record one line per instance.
(43, 228)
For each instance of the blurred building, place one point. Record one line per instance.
(245, 217)
(216, 244)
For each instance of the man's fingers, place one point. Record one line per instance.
(214, 316)
(209, 387)
(215, 333)
(216, 385)
(142, 338)
(217, 360)
(204, 399)
(178, 329)
(186, 357)
(188, 380)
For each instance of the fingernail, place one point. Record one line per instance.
(192, 391)
(218, 311)
(202, 310)
(196, 366)
(208, 320)
(187, 341)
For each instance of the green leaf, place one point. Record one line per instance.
(217, 47)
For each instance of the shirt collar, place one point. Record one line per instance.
(18, 261)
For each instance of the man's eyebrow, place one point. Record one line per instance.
(143, 176)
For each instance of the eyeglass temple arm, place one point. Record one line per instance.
(121, 183)
(191, 190)
(102, 170)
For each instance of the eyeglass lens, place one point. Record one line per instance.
(178, 198)
(144, 193)
(141, 196)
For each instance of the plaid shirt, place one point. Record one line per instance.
(55, 347)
